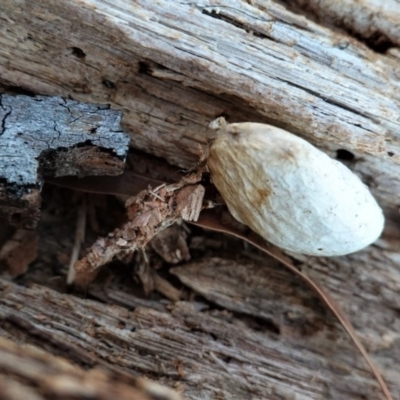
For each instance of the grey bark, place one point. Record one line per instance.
(51, 136)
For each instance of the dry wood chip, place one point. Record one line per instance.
(150, 212)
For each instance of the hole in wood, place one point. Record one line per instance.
(16, 218)
(344, 155)
(144, 68)
(77, 52)
(108, 84)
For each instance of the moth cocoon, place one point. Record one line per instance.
(291, 193)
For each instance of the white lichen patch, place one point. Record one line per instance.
(291, 193)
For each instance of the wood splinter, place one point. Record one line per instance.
(149, 212)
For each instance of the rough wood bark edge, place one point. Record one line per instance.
(52, 136)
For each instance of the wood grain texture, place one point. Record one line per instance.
(282, 66)
(159, 63)
(374, 21)
(206, 354)
(172, 67)
(37, 375)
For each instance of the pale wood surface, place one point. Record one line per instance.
(172, 67)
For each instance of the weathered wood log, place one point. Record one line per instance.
(336, 91)
(265, 65)
(172, 68)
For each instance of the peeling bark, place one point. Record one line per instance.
(52, 136)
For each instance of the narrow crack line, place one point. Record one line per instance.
(56, 129)
(331, 101)
(59, 135)
(211, 11)
(65, 105)
(7, 114)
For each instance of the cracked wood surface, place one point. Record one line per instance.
(172, 67)
(159, 63)
(55, 137)
(264, 61)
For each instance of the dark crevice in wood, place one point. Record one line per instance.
(108, 84)
(344, 155)
(377, 41)
(144, 68)
(220, 16)
(79, 53)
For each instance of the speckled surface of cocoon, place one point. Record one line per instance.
(291, 193)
